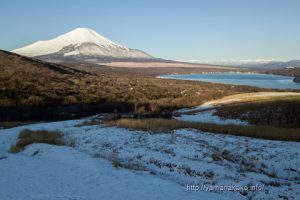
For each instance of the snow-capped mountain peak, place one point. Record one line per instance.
(85, 35)
(80, 42)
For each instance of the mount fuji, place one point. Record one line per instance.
(81, 44)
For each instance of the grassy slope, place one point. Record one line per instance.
(284, 111)
(27, 82)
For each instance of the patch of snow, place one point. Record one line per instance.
(209, 117)
(58, 172)
(204, 106)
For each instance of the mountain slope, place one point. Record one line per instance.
(17, 63)
(80, 44)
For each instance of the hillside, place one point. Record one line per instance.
(65, 92)
(26, 81)
(287, 72)
(275, 64)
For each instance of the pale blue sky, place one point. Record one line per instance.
(209, 30)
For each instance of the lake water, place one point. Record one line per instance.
(252, 79)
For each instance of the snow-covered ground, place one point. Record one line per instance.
(207, 116)
(205, 113)
(58, 172)
(154, 166)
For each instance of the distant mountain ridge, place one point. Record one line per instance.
(81, 44)
(275, 64)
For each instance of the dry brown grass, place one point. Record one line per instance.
(27, 137)
(11, 124)
(283, 112)
(156, 125)
(27, 82)
(256, 97)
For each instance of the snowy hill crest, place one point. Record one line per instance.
(80, 42)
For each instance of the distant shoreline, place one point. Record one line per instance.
(297, 79)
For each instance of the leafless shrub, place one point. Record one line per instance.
(216, 156)
(113, 158)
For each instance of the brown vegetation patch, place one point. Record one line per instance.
(38, 85)
(27, 137)
(283, 112)
(156, 125)
(11, 124)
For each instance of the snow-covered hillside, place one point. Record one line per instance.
(59, 173)
(80, 42)
(153, 166)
